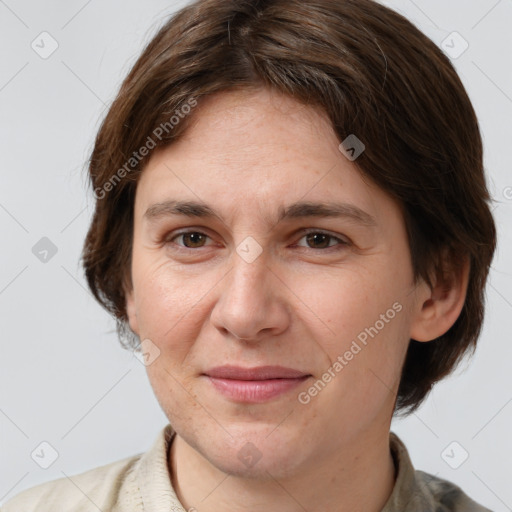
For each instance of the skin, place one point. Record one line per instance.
(298, 304)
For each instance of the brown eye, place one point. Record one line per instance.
(321, 240)
(192, 239)
(318, 240)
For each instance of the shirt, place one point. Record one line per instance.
(142, 483)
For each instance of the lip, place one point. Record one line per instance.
(256, 373)
(254, 385)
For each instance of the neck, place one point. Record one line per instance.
(359, 477)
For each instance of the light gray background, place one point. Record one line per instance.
(64, 378)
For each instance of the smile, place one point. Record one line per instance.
(254, 385)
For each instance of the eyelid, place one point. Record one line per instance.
(307, 231)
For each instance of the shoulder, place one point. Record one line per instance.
(91, 490)
(418, 491)
(447, 496)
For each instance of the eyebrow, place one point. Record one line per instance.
(301, 209)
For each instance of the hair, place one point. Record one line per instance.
(375, 75)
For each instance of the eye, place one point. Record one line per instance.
(313, 240)
(322, 240)
(190, 239)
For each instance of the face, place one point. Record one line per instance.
(277, 311)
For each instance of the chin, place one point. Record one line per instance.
(256, 465)
(257, 453)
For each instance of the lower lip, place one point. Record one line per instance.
(254, 391)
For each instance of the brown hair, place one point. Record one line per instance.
(374, 74)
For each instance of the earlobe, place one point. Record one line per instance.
(131, 311)
(440, 305)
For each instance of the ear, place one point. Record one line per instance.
(440, 305)
(131, 311)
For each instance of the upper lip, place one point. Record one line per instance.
(256, 373)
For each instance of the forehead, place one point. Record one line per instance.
(264, 124)
(259, 150)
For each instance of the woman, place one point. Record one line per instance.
(292, 225)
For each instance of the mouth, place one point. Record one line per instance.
(254, 385)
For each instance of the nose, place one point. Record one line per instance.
(252, 301)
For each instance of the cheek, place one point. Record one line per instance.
(363, 376)
(164, 303)
(365, 316)
(173, 391)
(342, 305)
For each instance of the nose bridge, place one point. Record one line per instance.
(249, 281)
(250, 267)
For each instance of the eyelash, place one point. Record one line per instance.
(341, 242)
